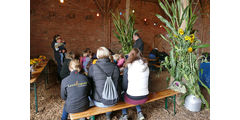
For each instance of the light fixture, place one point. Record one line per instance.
(61, 1)
(133, 11)
(154, 24)
(120, 13)
(97, 14)
(145, 19)
(160, 26)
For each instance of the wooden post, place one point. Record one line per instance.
(184, 3)
(127, 10)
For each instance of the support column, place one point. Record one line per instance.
(184, 3)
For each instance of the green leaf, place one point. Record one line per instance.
(201, 46)
(167, 23)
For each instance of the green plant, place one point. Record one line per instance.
(124, 31)
(183, 62)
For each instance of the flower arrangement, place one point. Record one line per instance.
(183, 62)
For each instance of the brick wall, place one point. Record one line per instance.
(77, 23)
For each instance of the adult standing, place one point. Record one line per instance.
(57, 55)
(138, 42)
(97, 72)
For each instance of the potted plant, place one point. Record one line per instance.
(183, 61)
(124, 31)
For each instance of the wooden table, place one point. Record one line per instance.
(33, 80)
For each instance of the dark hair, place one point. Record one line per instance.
(55, 36)
(135, 54)
(137, 35)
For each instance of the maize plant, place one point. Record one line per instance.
(124, 31)
(183, 62)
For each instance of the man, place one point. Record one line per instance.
(138, 42)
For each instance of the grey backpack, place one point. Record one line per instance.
(109, 92)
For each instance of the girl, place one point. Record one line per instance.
(137, 78)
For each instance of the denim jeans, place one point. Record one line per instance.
(62, 57)
(64, 114)
(98, 104)
(138, 107)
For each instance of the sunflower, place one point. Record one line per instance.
(187, 37)
(180, 31)
(190, 49)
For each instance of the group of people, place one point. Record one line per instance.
(104, 79)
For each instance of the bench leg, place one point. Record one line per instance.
(35, 94)
(166, 103)
(47, 72)
(92, 118)
(174, 104)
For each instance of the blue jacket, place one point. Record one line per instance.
(75, 90)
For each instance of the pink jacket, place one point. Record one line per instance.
(120, 62)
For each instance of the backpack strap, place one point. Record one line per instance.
(104, 71)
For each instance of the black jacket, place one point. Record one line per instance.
(139, 44)
(75, 91)
(65, 70)
(98, 78)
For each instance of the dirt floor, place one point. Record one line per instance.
(50, 103)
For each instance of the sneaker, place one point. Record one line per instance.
(124, 117)
(108, 117)
(140, 116)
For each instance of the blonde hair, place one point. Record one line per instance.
(70, 55)
(116, 57)
(103, 52)
(74, 65)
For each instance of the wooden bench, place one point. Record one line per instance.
(152, 97)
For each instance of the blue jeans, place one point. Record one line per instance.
(98, 104)
(62, 57)
(138, 107)
(64, 114)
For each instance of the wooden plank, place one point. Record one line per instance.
(38, 71)
(97, 110)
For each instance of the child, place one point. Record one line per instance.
(115, 58)
(86, 59)
(75, 90)
(60, 47)
(120, 61)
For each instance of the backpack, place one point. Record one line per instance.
(109, 92)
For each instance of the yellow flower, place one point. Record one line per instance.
(192, 36)
(187, 37)
(190, 49)
(180, 31)
(175, 36)
(191, 40)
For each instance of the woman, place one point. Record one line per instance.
(97, 72)
(137, 77)
(75, 90)
(57, 55)
(65, 71)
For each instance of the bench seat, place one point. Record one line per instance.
(121, 105)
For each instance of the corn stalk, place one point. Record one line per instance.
(124, 31)
(183, 62)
